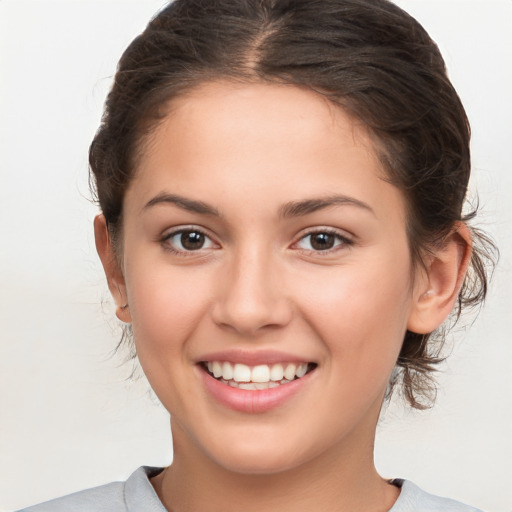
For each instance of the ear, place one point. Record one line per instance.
(437, 288)
(113, 271)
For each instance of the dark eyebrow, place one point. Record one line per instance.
(182, 202)
(298, 208)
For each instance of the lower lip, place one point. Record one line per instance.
(253, 401)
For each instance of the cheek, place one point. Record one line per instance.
(361, 314)
(166, 304)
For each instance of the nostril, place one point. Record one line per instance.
(251, 297)
(248, 317)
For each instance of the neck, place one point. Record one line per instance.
(344, 479)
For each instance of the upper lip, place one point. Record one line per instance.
(253, 358)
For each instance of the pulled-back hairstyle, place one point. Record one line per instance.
(367, 56)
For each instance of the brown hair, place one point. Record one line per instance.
(368, 56)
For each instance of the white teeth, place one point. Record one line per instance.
(241, 373)
(256, 385)
(227, 371)
(276, 372)
(217, 369)
(260, 373)
(247, 385)
(301, 370)
(262, 376)
(289, 371)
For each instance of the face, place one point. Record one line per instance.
(266, 267)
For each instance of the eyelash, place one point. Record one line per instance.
(343, 241)
(165, 240)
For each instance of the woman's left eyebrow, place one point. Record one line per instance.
(299, 208)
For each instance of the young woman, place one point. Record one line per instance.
(281, 186)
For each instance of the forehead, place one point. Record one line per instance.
(259, 140)
(264, 112)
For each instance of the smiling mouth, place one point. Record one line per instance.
(258, 377)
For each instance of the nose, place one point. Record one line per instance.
(252, 296)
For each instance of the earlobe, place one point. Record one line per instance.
(437, 289)
(113, 271)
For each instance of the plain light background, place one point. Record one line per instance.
(69, 416)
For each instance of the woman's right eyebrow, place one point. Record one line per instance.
(190, 205)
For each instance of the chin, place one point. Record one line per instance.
(250, 457)
(257, 465)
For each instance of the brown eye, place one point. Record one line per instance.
(319, 241)
(187, 240)
(192, 240)
(322, 241)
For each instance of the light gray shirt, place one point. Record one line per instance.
(137, 495)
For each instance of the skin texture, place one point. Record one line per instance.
(257, 284)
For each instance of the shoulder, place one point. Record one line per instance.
(107, 497)
(114, 497)
(414, 499)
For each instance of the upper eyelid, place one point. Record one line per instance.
(172, 232)
(345, 239)
(168, 233)
(325, 229)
